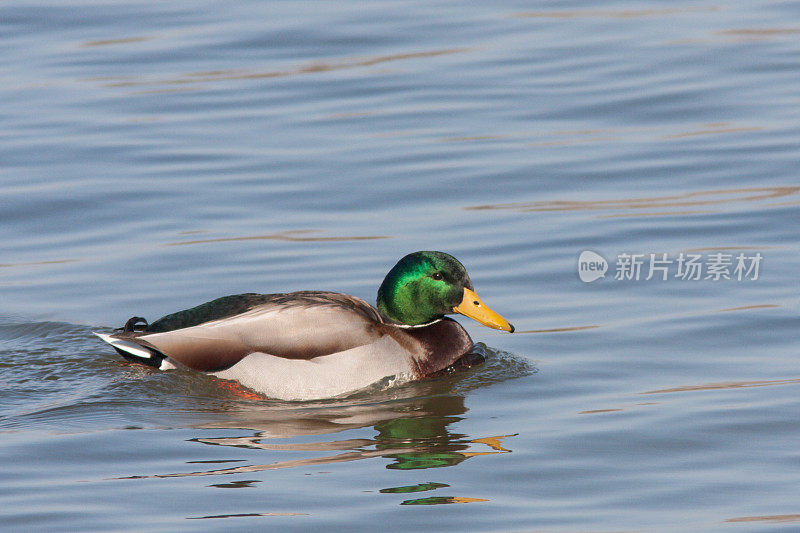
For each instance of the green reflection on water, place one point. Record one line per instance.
(441, 500)
(420, 487)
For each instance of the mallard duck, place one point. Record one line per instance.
(314, 344)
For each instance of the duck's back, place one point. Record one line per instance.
(236, 304)
(300, 325)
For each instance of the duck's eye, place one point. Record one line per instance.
(437, 276)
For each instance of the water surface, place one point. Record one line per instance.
(154, 156)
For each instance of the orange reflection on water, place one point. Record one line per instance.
(495, 443)
(637, 134)
(314, 67)
(595, 411)
(747, 307)
(38, 263)
(557, 330)
(614, 13)
(726, 385)
(663, 214)
(767, 518)
(760, 32)
(716, 197)
(124, 40)
(714, 131)
(442, 500)
(725, 248)
(289, 235)
(740, 35)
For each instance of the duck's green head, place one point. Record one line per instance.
(425, 286)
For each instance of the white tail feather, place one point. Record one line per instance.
(126, 346)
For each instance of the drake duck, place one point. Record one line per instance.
(315, 344)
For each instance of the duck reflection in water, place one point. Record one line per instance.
(412, 424)
(413, 432)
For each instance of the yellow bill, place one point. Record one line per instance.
(473, 307)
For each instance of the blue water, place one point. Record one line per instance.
(154, 156)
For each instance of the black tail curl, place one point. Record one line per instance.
(134, 324)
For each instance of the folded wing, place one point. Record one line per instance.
(301, 325)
